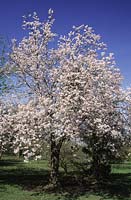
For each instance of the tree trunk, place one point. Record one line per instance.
(0, 154)
(95, 157)
(95, 167)
(55, 153)
(1, 150)
(100, 170)
(55, 160)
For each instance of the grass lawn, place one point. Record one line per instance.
(27, 181)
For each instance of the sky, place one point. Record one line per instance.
(109, 18)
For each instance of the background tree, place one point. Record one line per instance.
(4, 51)
(4, 89)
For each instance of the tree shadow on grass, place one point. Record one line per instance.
(14, 172)
(26, 178)
(73, 185)
(9, 162)
(117, 186)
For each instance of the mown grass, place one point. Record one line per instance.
(29, 181)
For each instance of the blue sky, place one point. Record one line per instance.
(110, 18)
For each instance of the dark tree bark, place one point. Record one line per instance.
(0, 154)
(100, 169)
(55, 153)
(95, 167)
(55, 161)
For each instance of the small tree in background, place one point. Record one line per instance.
(4, 89)
(4, 48)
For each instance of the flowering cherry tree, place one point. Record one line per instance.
(91, 95)
(6, 128)
(33, 63)
(74, 91)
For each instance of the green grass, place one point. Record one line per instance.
(123, 168)
(28, 181)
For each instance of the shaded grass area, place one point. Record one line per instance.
(29, 181)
